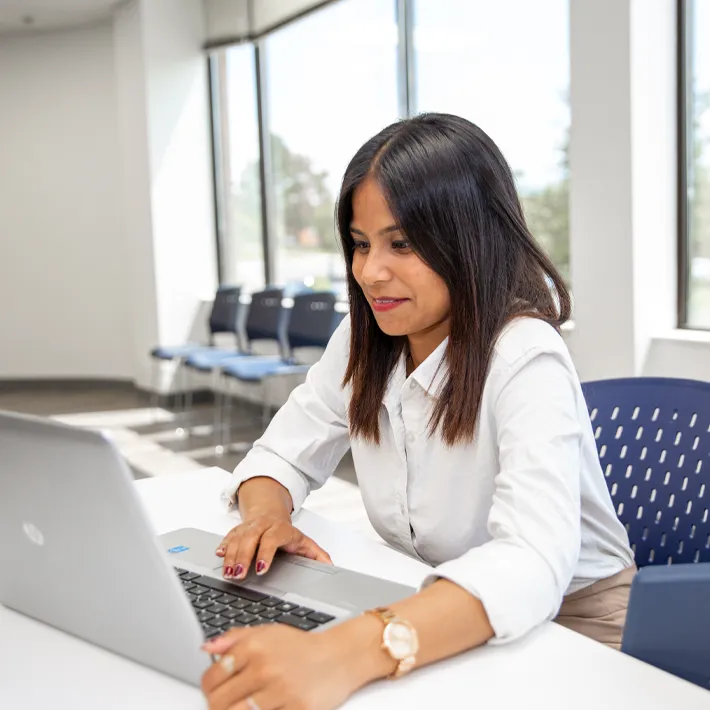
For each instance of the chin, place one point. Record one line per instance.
(392, 328)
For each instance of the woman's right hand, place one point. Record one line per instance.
(257, 539)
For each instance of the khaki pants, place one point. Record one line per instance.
(599, 611)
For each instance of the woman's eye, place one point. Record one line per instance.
(400, 245)
(361, 246)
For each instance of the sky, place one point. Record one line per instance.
(332, 79)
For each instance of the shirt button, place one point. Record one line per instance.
(410, 438)
(402, 508)
(412, 385)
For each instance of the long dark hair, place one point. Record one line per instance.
(452, 193)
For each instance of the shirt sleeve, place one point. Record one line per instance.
(521, 575)
(309, 435)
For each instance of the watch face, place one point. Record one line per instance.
(401, 640)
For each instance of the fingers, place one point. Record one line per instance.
(231, 549)
(248, 541)
(220, 644)
(221, 548)
(273, 537)
(240, 545)
(262, 700)
(271, 541)
(305, 547)
(231, 664)
(236, 691)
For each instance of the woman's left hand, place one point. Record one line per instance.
(278, 667)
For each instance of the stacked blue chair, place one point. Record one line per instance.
(224, 318)
(653, 439)
(266, 320)
(312, 321)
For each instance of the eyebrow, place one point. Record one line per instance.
(382, 232)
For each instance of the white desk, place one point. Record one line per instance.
(553, 668)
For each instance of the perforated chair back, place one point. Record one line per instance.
(266, 317)
(313, 319)
(653, 439)
(225, 310)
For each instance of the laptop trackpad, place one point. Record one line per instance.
(289, 575)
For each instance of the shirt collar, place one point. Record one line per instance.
(430, 375)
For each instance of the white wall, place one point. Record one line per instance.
(106, 209)
(64, 266)
(164, 124)
(136, 209)
(179, 155)
(623, 220)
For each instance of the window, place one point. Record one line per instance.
(330, 83)
(238, 186)
(505, 66)
(696, 206)
(333, 78)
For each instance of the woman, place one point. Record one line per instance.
(468, 428)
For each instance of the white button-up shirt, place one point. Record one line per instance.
(519, 517)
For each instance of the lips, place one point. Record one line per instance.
(381, 305)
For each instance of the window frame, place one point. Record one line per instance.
(685, 139)
(405, 75)
(685, 146)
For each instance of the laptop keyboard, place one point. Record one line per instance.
(220, 606)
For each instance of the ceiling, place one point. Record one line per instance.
(40, 15)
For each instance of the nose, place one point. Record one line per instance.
(375, 268)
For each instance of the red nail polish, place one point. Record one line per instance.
(260, 566)
(228, 571)
(238, 571)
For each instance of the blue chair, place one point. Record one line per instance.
(223, 318)
(311, 322)
(653, 439)
(265, 321)
(654, 447)
(266, 318)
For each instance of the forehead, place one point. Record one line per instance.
(370, 205)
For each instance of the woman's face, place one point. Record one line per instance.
(406, 296)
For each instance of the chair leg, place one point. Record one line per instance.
(189, 408)
(218, 423)
(154, 393)
(189, 394)
(180, 399)
(226, 415)
(227, 445)
(266, 405)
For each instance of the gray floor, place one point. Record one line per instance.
(81, 399)
(69, 400)
(49, 401)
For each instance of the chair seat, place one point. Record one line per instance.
(256, 369)
(176, 352)
(208, 360)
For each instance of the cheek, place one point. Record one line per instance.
(441, 300)
(432, 292)
(356, 266)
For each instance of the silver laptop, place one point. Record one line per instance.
(77, 552)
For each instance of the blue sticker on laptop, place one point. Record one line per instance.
(179, 548)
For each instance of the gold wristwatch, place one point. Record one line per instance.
(399, 640)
